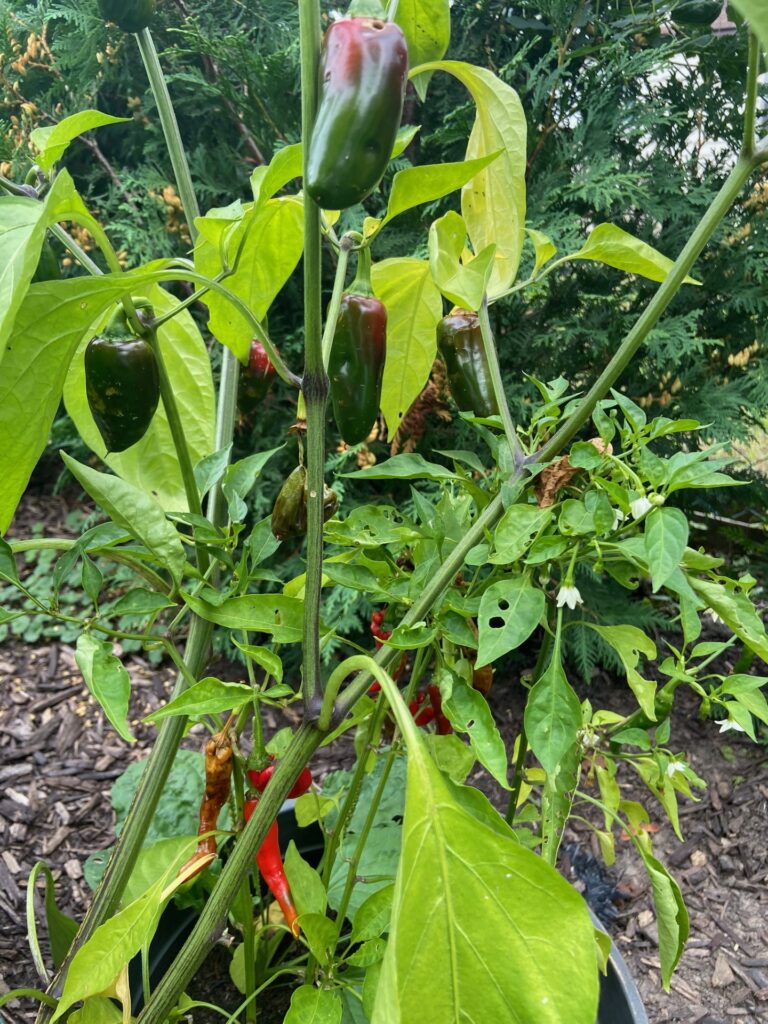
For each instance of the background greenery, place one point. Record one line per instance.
(632, 118)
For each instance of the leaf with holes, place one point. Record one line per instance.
(510, 610)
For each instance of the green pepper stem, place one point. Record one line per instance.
(333, 307)
(362, 282)
(315, 380)
(498, 385)
(750, 103)
(179, 442)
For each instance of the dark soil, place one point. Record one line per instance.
(58, 759)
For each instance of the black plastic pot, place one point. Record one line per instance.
(620, 1001)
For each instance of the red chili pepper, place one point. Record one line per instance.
(425, 716)
(270, 863)
(260, 779)
(444, 727)
(374, 687)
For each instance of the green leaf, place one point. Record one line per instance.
(107, 679)
(666, 538)
(210, 469)
(307, 887)
(516, 528)
(461, 283)
(272, 237)
(209, 696)
(97, 1010)
(405, 467)
(310, 1005)
(552, 718)
(372, 917)
(281, 617)
(136, 512)
(152, 464)
(267, 659)
(629, 642)
(52, 143)
(544, 249)
(617, 248)
(467, 711)
(493, 204)
(756, 14)
(428, 182)
(61, 928)
(414, 307)
(736, 610)
(284, 166)
(671, 915)
(510, 610)
(98, 962)
(465, 889)
(239, 480)
(140, 602)
(426, 25)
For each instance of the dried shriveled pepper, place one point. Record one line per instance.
(122, 384)
(461, 345)
(356, 364)
(364, 69)
(289, 515)
(218, 778)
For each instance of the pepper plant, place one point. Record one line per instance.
(504, 544)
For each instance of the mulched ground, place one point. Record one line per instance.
(58, 760)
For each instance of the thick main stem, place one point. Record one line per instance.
(315, 382)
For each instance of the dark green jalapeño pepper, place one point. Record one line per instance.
(359, 351)
(461, 345)
(129, 15)
(122, 385)
(364, 70)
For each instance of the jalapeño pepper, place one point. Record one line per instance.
(122, 385)
(364, 69)
(461, 345)
(356, 363)
(129, 15)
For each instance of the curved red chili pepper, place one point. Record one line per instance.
(270, 864)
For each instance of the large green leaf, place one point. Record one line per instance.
(482, 929)
(272, 237)
(414, 307)
(417, 185)
(510, 610)
(23, 225)
(151, 464)
(493, 203)
(552, 717)
(617, 248)
(756, 13)
(53, 142)
(136, 512)
(209, 696)
(53, 319)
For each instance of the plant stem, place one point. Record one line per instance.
(498, 385)
(333, 308)
(649, 317)
(170, 128)
(214, 914)
(142, 809)
(77, 251)
(750, 101)
(315, 382)
(179, 442)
